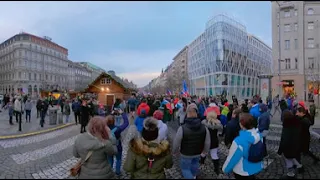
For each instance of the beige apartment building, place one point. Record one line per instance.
(298, 52)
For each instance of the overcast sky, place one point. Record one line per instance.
(135, 39)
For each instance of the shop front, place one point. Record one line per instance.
(288, 87)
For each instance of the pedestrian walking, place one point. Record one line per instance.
(290, 143)
(67, 110)
(264, 123)
(10, 111)
(233, 127)
(146, 158)
(76, 110)
(116, 132)
(18, 111)
(84, 116)
(163, 128)
(28, 108)
(213, 125)
(38, 106)
(193, 139)
(95, 145)
(238, 157)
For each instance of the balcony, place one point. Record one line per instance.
(286, 5)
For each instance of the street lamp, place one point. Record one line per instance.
(279, 49)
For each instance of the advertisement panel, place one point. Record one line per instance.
(264, 88)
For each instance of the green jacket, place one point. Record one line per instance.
(137, 159)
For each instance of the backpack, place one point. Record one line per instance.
(112, 132)
(256, 152)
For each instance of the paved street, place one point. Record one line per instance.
(49, 155)
(34, 125)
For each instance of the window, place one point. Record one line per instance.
(310, 25)
(29, 76)
(296, 63)
(287, 13)
(311, 62)
(35, 76)
(19, 75)
(310, 11)
(278, 15)
(295, 26)
(295, 12)
(310, 43)
(287, 63)
(296, 43)
(287, 28)
(287, 44)
(46, 76)
(106, 81)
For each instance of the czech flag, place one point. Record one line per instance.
(169, 92)
(185, 88)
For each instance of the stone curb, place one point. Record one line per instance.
(36, 132)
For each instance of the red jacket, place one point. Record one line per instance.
(143, 106)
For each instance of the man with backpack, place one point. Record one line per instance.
(192, 139)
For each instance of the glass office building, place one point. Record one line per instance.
(225, 58)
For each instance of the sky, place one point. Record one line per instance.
(135, 39)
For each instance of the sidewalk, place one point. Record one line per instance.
(27, 128)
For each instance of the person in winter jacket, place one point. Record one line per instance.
(76, 110)
(163, 128)
(305, 134)
(237, 159)
(182, 111)
(143, 106)
(10, 111)
(192, 139)
(233, 127)
(255, 110)
(84, 116)
(28, 108)
(224, 117)
(139, 120)
(213, 125)
(18, 108)
(147, 158)
(154, 106)
(312, 111)
(264, 123)
(290, 142)
(116, 132)
(202, 108)
(38, 106)
(101, 143)
(67, 110)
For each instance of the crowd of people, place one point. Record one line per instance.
(203, 122)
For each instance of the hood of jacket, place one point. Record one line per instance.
(143, 105)
(193, 123)
(146, 148)
(90, 142)
(212, 105)
(251, 136)
(216, 125)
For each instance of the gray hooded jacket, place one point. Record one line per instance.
(97, 166)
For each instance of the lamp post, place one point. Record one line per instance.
(279, 49)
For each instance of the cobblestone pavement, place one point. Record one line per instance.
(34, 125)
(49, 156)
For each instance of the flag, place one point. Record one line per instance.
(169, 92)
(185, 88)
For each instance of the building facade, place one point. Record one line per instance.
(295, 42)
(96, 71)
(177, 71)
(30, 64)
(226, 59)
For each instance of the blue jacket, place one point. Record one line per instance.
(289, 102)
(76, 106)
(255, 111)
(139, 123)
(119, 130)
(237, 160)
(132, 103)
(201, 110)
(264, 122)
(10, 110)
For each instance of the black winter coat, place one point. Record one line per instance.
(290, 142)
(84, 115)
(232, 130)
(213, 129)
(305, 133)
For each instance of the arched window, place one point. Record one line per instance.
(310, 11)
